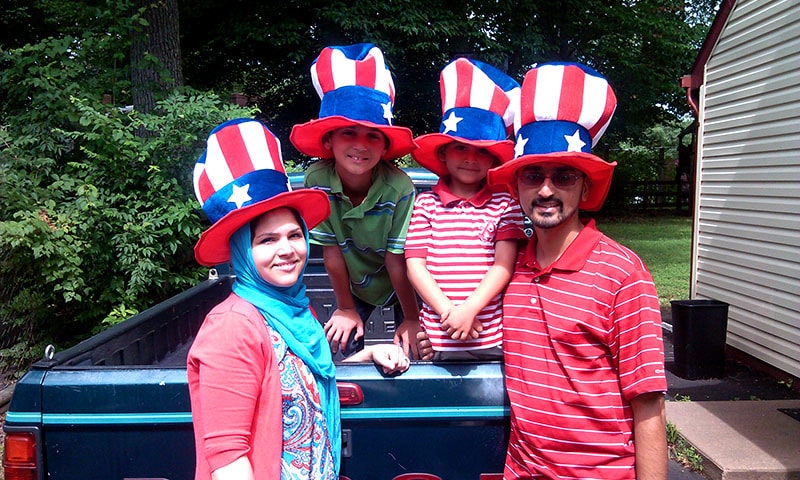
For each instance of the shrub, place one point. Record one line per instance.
(97, 219)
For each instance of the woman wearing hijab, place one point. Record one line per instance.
(262, 380)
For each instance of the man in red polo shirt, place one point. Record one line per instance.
(582, 338)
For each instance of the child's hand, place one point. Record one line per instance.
(390, 358)
(460, 323)
(406, 336)
(425, 347)
(338, 328)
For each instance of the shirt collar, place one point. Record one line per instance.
(373, 195)
(573, 258)
(448, 197)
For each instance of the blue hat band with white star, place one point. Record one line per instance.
(473, 124)
(552, 136)
(357, 103)
(246, 190)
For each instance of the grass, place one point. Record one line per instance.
(663, 243)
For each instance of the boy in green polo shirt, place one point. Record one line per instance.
(371, 199)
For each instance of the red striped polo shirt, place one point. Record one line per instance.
(581, 339)
(456, 237)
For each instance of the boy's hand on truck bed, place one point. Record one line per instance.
(405, 336)
(340, 325)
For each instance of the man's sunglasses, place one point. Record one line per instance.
(560, 179)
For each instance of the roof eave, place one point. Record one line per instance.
(692, 81)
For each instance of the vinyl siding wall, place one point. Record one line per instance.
(747, 219)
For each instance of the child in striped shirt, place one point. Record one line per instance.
(462, 239)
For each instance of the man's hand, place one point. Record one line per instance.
(340, 325)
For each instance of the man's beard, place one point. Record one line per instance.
(549, 220)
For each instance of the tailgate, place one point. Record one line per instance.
(117, 424)
(445, 419)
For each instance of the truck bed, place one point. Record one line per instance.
(116, 406)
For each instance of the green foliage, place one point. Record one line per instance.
(651, 156)
(97, 212)
(265, 49)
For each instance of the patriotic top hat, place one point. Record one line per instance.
(240, 176)
(356, 88)
(564, 110)
(478, 103)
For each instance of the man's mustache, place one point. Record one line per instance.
(546, 202)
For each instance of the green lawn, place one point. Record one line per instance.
(664, 243)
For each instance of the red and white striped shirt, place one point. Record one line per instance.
(457, 237)
(581, 339)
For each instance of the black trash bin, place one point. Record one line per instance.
(699, 328)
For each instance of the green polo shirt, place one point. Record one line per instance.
(366, 232)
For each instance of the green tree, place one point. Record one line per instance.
(265, 49)
(96, 223)
(155, 52)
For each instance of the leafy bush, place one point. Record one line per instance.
(653, 156)
(97, 211)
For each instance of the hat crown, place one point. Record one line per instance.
(478, 100)
(356, 88)
(563, 107)
(242, 165)
(354, 82)
(361, 65)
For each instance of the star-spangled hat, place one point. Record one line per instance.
(240, 176)
(564, 110)
(356, 88)
(478, 102)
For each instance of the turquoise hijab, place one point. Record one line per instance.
(286, 310)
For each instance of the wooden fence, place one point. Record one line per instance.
(662, 195)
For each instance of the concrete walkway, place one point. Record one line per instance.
(735, 422)
(741, 440)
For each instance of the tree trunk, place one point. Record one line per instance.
(155, 53)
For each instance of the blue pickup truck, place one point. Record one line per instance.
(116, 406)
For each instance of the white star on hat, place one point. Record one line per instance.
(451, 124)
(574, 141)
(387, 111)
(240, 195)
(519, 147)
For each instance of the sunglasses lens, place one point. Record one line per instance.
(564, 179)
(535, 178)
(532, 179)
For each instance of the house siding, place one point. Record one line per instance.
(747, 206)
